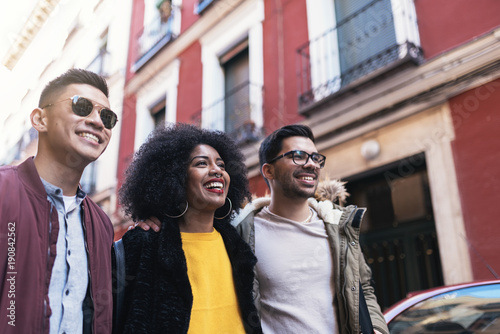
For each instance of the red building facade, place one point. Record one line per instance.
(402, 97)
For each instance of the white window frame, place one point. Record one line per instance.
(163, 85)
(321, 18)
(244, 22)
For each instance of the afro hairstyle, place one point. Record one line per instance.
(155, 181)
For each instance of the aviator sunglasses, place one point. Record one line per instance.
(83, 107)
(301, 158)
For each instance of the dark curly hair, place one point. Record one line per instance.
(155, 181)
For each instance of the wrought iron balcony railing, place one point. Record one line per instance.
(237, 110)
(154, 37)
(361, 46)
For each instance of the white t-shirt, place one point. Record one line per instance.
(295, 274)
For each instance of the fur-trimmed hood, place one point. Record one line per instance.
(332, 190)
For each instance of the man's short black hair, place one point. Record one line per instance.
(155, 183)
(273, 143)
(72, 76)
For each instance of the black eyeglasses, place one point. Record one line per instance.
(83, 107)
(301, 158)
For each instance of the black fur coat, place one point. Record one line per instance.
(158, 296)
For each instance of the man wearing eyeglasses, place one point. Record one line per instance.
(311, 276)
(55, 242)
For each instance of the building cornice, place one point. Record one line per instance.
(33, 24)
(408, 92)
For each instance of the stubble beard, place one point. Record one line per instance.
(291, 189)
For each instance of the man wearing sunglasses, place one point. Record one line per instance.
(55, 242)
(311, 276)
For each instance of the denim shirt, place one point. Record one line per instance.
(69, 279)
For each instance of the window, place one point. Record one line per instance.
(232, 57)
(100, 63)
(158, 113)
(364, 29)
(473, 309)
(236, 91)
(157, 102)
(237, 87)
(367, 37)
(161, 25)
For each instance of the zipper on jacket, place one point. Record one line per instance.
(88, 266)
(345, 261)
(47, 270)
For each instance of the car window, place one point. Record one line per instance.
(468, 310)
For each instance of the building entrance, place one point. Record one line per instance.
(398, 233)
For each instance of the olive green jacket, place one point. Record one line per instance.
(351, 272)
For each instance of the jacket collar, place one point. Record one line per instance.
(30, 178)
(253, 207)
(235, 246)
(326, 210)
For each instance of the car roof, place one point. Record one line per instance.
(418, 296)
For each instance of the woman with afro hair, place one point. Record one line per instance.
(196, 274)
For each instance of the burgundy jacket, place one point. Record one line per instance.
(29, 228)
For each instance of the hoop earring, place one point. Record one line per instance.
(182, 214)
(230, 209)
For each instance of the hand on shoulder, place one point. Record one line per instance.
(151, 222)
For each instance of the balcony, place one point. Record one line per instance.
(154, 37)
(237, 113)
(362, 46)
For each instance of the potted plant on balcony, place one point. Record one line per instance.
(165, 8)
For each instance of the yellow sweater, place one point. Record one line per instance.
(215, 306)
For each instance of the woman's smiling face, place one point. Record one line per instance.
(207, 179)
